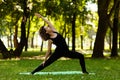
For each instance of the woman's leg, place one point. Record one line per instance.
(76, 55)
(51, 59)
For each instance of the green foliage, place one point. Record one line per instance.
(54, 8)
(59, 12)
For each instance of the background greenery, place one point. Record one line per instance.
(73, 20)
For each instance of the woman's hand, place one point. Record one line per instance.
(38, 15)
(43, 62)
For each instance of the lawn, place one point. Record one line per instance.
(104, 69)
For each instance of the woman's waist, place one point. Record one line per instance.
(62, 48)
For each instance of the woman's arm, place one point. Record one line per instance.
(48, 22)
(48, 51)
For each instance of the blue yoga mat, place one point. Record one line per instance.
(55, 73)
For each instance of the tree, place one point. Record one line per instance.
(20, 46)
(104, 13)
(74, 25)
(72, 10)
(114, 51)
(28, 32)
(66, 11)
(105, 16)
(5, 18)
(3, 50)
(23, 39)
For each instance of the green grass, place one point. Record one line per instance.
(105, 69)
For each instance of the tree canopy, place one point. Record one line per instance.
(72, 18)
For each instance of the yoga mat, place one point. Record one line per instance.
(55, 73)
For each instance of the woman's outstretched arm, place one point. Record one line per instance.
(48, 53)
(48, 22)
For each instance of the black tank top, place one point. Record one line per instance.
(59, 41)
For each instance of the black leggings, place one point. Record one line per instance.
(57, 54)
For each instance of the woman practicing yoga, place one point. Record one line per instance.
(49, 33)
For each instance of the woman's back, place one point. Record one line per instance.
(59, 41)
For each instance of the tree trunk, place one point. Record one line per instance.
(90, 44)
(81, 37)
(99, 42)
(28, 32)
(41, 47)
(3, 50)
(15, 37)
(21, 45)
(73, 31)
(32, 40)
(114, 51)
(119, 38)
(110, 40)
(16, 32)
(102, 28)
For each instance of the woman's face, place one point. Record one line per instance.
(48, 29)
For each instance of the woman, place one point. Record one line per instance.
(49, 33)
